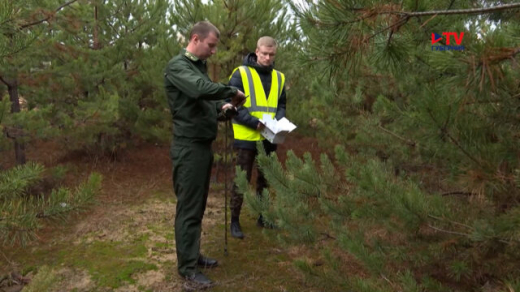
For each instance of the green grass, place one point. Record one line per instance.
(254, 264)
(110, 264)
(257, 263)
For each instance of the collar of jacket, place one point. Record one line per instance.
(251, 61)
(191, 56)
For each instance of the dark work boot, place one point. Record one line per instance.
(196, 282)
(206, 262)
(236, 230)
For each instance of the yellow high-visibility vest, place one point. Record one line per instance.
(257, 103)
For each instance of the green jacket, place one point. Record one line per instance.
(192, 97)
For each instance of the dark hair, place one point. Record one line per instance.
(203, 28)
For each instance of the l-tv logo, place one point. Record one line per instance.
(457, 37)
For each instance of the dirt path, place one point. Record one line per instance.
(126, 241)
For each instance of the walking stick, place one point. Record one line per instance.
(225, 185)
(226, 115)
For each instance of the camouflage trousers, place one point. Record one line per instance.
(246, 161)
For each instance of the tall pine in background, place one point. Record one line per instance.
(241, 23)
(108, 75)
(85, 74)
(21, 27)
(90, 75)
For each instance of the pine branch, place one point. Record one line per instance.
(7, 260)
(458, 193)
(388, 280)
(451, 4)
(21, 217)
(18, 229)
(407, 15)
(328, 236)
(4, 81)
(393, 27)
(417, 14)
(510, 53)
(483, 101)
(16, 181)
(456, 11)
(454, 141)
(446, 220)
(464, 234)
(16, 51)
(449, 231)
(407, 141)
(49, 17)
(309, 183)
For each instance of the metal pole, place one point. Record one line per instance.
(226, 186)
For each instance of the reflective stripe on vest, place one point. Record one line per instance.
(258, 104)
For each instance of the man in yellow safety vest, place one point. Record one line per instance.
(265, 88)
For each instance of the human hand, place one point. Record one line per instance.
(239, 99)
(260, 126)
(226, 106)
(229, 111)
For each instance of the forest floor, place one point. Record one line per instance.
(125, 241)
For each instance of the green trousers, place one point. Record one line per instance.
(192, 163)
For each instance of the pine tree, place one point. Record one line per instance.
(241, 23)
(90, 75)
(24, 206)
(20, 28)
(93, 73)
(428, 196)
(110, 74)
(401, 93)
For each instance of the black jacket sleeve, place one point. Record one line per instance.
(280, 110)
(243, 116)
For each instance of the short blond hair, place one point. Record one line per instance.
(266, 41)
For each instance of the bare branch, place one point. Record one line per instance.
(7, 259)
(407, 14)
(458, 193)
(453, 222)
(407, 141)
(4, 81)
(448, 231)
(469, 235)
(456, 11)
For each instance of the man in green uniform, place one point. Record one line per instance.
(195, 101)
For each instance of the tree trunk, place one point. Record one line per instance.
(96, 34)
(214, 72)
(19, 147)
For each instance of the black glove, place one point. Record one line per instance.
(228, 114)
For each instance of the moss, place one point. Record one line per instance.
(110, 264)
(257, 261)
(163, 196)
(28, 269)
(142, 288)
(170, 236)
(45, 280)
(162, 245)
